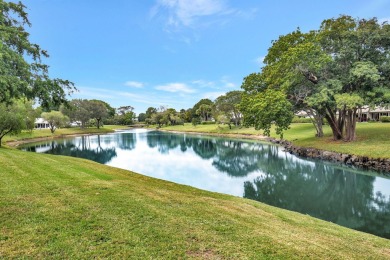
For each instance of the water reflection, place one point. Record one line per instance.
(257, 171)
(236, 158)
(326, 192)
(81, 147)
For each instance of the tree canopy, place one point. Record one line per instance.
(55, 119)
(12, 118)
(330, 72)
(22, 71)
(227, 107)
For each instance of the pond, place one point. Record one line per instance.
(260, 171)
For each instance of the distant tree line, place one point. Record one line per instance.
(224, 110)
(330, 73)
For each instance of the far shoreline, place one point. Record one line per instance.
(379, 165)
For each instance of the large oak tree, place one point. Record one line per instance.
(330, 72)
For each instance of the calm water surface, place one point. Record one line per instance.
(349, 197)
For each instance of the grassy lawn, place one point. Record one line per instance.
(373, 139)
(87, 210)
(42, 133)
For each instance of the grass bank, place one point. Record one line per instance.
(45, 133)
(61, 207)
(373, 139)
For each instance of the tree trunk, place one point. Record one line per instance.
(341, 119)
(316, 119)
(3, 133)
(52, 129)
(350, 125)
(337, 134)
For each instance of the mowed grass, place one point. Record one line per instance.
(373, 139)
(45, 133)
(62, 207)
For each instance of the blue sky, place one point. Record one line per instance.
(171, 52)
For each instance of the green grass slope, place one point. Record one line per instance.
(373, 139)
(60, 207)
(45, 133)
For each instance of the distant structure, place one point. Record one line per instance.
(372, 114)
(41, 123)
(364, 114)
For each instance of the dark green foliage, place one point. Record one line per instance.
(78, 110)
(99, 111)
(195, 121)
(330, 72)
(150, 111)
(227, 106)
(22, 71)
(205, 111)
(110, 109)
(384, 119)
(141, 117)
(12, 118)
(263, 107)
(208, 122)
(55, 119)
(267, 108)
(301, 120)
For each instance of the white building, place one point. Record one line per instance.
(372, 114)
(41, 123)
(364, 114)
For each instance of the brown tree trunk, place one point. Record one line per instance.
(350, 125)
(341, 120)
(337, 134)
(316, 119)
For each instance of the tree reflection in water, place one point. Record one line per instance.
(322, 190)
(235, 158)
(81, 147)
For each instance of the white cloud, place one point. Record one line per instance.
(382, 20)
(213, 95)
(134, 84)
(223, 83)
(185, 12)
(176, 88)
(203, 83)
(260, 61)
(92, 93)
(227, 83)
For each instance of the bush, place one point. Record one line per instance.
(385, 119)
(195, 121)
(301, 120)
(208, 122)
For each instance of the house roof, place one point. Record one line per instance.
(40, 120)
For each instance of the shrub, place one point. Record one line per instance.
(195, 121)
(301, 120)
(208, 122)
(384, 119)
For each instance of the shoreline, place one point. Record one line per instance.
(380, 165)
(16, 143)
(238, 136)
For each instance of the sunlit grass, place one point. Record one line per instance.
(373, 139)
(62, 207)
(45, 133)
